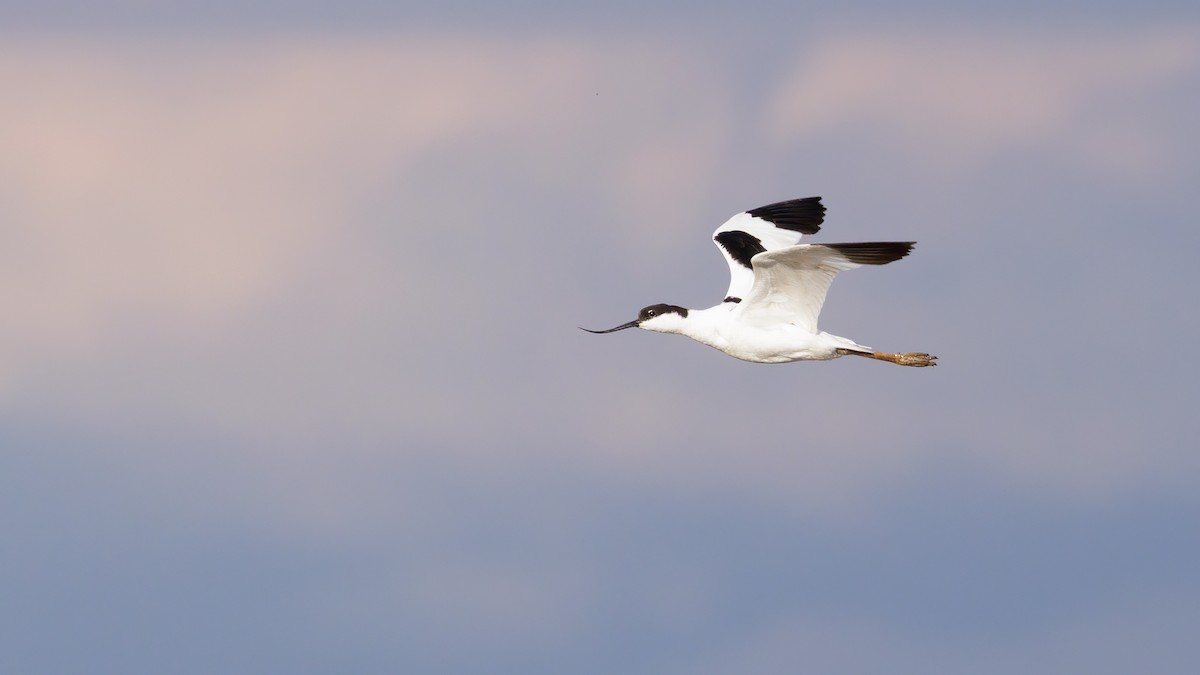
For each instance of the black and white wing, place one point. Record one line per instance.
(767, 228)
(790, 284)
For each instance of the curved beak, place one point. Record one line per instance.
(631, 324)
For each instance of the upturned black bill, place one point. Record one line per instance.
(631, 324)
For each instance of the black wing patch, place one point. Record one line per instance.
(873, 252)
(742, 246)
(800, 215)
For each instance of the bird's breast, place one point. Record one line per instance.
(775, 345)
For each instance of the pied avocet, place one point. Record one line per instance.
(776, 289)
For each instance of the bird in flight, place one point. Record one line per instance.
(776, 289)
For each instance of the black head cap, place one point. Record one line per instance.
(660, 309)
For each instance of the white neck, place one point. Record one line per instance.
(706, 326)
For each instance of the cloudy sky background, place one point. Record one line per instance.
(290, 379)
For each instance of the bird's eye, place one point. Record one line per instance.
(650, 312)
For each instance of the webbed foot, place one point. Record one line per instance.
(915, 359)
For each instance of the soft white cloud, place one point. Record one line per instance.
(192, 236)
(958, 99)
(177, 188)
(240, 236)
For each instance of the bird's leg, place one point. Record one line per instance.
(915, 359)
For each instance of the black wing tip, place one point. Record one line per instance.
(874, 252)
(803, 215)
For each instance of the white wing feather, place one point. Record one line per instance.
(794, 217)
(790, 284)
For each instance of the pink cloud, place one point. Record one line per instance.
(176, 190)
(957, 99)
(186, 184)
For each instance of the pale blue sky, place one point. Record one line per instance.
(291, 380)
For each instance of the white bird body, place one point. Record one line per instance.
(776, 290)
(719, 328)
